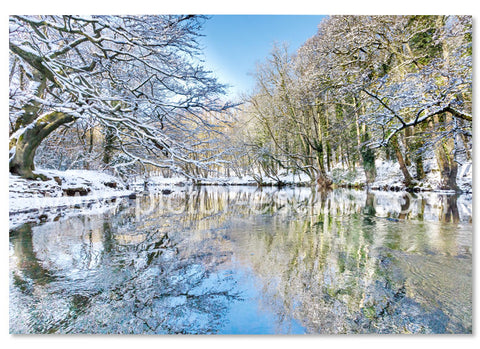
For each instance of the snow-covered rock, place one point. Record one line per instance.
(65, 191)
(94, 181)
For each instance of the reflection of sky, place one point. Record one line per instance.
(235, 43)
(245, 270)
(248, 316)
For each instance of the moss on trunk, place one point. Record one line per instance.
(403, 167)
(22, 160)
(447, 165)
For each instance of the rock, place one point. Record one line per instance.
(166, 191)
(132, 196)
(111, 184)
(80, 191)
(58, 180)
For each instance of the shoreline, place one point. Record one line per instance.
(43, 209)
(85, 192)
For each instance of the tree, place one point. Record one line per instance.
(401, 83)
(434, 88)
(292, 121)
(403, 72)
(137, 76)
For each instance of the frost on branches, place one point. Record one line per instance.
(368, 87)
(138, 78)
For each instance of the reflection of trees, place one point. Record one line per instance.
(26, 258)
(340, 275)
(450, 209)
(150, 284)
(337, 262)
(159, 291)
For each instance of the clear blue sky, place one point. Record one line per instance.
(235, 43)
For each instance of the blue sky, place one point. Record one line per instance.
(233, 44)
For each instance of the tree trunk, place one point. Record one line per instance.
(401, 162)
(447, 165)
(408, 135)
(108, 146)
(23, 148)
(323, 181)
(466, 147)
(415, 144)
(32, 107)
(368, 161)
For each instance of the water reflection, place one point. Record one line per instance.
(240, 260)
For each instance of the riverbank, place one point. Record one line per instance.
(388, 178)
(66, 192)
(83, 191)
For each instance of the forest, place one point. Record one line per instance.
(333, 197)
(129, 96)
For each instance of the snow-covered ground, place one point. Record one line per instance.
(77, 191)
(73, 191)
(389, 176)
(159, 183)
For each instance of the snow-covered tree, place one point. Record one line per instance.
(139, 77)
(400, 83)
(426, 90)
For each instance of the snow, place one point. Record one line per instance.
(97, 183)
(343, 176)
(464, 177)
(159, 183)
(285, 178)
(36, 200)
(389, 176)
(290, 179)
(245, 180)
(77, 178)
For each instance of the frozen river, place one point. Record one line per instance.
(244, 261)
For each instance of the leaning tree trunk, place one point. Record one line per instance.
(445, 154)
(24, 146)
(403, 167)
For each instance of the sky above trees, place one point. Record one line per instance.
(235, 43)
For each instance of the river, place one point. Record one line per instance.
(241, 260)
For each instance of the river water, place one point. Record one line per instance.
(237, 260)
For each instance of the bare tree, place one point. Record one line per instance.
(138, 76)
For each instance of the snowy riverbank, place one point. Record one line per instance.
(83, 191)
(73, 191)
(390, 177)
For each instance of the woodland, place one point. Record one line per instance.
(126, 156)
(129, 96)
